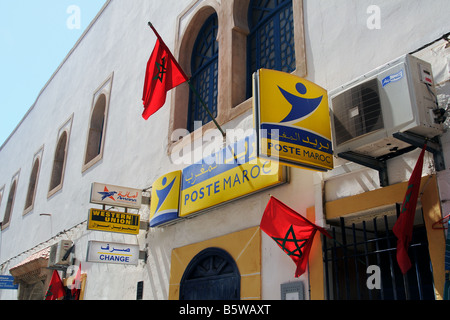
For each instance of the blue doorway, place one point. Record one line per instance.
(211, 275)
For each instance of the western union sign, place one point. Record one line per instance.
(110, 221)
(292, 120)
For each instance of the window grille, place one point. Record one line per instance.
(356, 246)
(271, 42)
(204, 64)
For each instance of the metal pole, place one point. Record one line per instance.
(205, 107)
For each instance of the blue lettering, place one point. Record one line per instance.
(186, 198)
(226, 181)
(216, 187)
(236, 179)
(209, 189)
(194, 195)
(264, 165)
(244, 175)
(202, 193)
(257, 173)
(105, 257)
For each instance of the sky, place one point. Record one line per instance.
(35, 37)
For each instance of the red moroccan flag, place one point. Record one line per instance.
(76, 288)
(403, 228)
(56, 288)
(291, 231)
(163, 74)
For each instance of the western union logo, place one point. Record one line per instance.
(119, 222)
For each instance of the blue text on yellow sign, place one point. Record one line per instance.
(292, 120)
(231, 173)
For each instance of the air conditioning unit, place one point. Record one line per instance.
(59, 255)
(397, 97)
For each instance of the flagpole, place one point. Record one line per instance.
(191, 86)
(205, 107)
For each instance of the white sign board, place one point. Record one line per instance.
(116, 196)
(110, 252)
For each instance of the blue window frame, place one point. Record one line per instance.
(204, 67)
(271, 40)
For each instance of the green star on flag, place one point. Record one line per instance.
(288, 239)
(162, 70)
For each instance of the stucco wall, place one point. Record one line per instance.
(339, 47)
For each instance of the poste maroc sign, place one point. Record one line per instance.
(292, 120)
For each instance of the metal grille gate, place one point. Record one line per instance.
(356, 246)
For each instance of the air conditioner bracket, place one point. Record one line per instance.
(433, 145)
(370, 162)
(416, 141)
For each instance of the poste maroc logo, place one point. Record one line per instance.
(298, 109)
(165, 199)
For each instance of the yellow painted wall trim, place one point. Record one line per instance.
(245, 248)
(368, 200)
(436, 237)
(316, 275)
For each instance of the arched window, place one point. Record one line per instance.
(95, 139)
(9, 205)
(32, 186)
(204, 68)
(271, 42)
(58, 164)
(211, 275)
(96, 130)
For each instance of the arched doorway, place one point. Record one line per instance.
(211, 275)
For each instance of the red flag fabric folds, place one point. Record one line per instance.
(163, 74)
(56, 288)
(293, 233)
(77, 285)
(403, 227)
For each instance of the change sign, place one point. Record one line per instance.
(109, 252)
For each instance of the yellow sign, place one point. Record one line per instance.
(120, 222)
(231, 173)
(292, 120)
(165, 199)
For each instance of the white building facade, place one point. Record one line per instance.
(86, 126)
